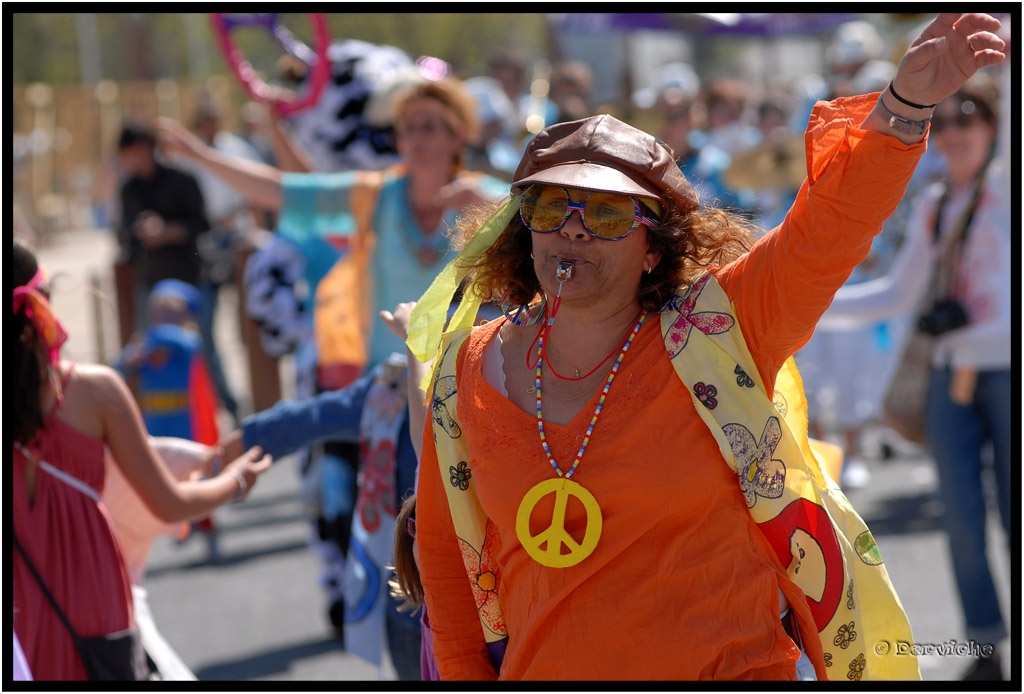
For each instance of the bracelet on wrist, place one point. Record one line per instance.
(892, 90)
(242, 486)
(901, 124)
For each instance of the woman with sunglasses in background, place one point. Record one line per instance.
(616, 485)
(409, 212)
(393, 225)
(953, 272)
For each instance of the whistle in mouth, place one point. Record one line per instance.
(564, 270)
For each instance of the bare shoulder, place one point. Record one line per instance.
(101, 383)
(96, 394)
(515, 339)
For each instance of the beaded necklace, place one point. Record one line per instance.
(428, 247)
(546, 547)
(564, 273)
(600, 402)
(542, 348)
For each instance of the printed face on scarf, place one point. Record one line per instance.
(601, 268)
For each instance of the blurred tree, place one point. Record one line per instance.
(156, 45)
(44, 48)
(465, 40)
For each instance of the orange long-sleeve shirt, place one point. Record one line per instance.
(682, 584)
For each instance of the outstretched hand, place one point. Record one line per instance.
(250, 465)
(175, 138)
(398, 320)
(948, 51)
(232, 445)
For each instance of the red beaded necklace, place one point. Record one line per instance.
(543, 351)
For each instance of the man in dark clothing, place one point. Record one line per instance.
(162, 216)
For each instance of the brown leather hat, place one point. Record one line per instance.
(603, 153)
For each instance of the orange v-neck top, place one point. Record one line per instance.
(682, 584)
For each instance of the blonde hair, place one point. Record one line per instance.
(452, 94)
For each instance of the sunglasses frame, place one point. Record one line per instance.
(961, 121)
(571, 205)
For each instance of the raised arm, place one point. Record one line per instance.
(291, 156)
(257, 182)
(897, 293)
(858, 169)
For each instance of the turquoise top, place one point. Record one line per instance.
(316, 216)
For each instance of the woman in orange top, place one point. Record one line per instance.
(644, 562)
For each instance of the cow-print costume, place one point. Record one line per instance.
(335, 130)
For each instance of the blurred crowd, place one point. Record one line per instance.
(739, 144)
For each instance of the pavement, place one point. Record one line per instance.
(260, 615)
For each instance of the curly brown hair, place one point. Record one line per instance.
(689, 243)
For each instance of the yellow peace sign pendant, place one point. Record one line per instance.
(546, 547)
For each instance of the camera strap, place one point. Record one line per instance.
(952, 244)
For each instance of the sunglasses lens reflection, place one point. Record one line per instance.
(544, 208)
(606, 215)
(609, 215)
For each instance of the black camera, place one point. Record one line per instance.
(945, 315)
